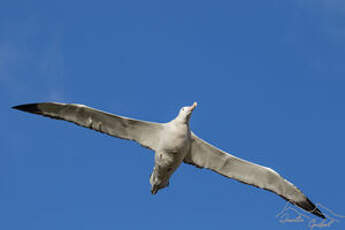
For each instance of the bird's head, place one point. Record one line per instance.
(186, 112)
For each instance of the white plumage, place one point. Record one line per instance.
(174, 143)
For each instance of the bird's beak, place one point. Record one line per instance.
(193, 106)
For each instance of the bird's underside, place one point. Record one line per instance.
(191, 149)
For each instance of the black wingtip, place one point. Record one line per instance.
(30, 108)
(318, 213)
(310, 207)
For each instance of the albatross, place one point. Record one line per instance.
(174, 143)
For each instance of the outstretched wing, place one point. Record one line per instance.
(145, 133)
(204, 155)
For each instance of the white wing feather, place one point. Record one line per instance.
(204, 155)
(145, 133)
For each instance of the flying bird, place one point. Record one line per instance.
(174, 143)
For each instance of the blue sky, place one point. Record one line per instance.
(269, 77)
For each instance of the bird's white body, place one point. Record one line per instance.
(175, 144)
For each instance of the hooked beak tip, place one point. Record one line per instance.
(194, 105)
